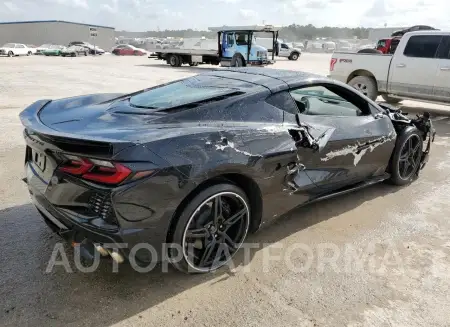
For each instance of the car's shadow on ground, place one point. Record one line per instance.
(31, 296)
(59, 297)
(184, 68)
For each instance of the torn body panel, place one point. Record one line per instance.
(349, 149)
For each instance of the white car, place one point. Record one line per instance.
(15, 49)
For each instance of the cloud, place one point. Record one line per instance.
(111, 8)
(248, 13)
(143, 15)
(11, 6)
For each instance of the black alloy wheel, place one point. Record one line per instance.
(214, 230)
(410, 157)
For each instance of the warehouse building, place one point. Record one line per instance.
(56, 32)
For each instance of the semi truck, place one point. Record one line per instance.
(235, 47)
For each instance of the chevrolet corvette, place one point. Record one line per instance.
(202, 162)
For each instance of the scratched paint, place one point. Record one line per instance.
(353, 150)
(232, 146)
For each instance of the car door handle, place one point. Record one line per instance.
(400, 65)
(445, 68)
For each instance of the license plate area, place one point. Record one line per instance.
(39, 159)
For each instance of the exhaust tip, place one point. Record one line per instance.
(103, 252)
(117, 257)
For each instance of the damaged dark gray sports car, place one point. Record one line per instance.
(201, 162)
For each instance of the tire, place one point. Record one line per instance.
(366, 85)
(63, 55)
(85, 54)
(390, 100)
(29, 53)
(193, 64)
(237, 61)
(174, 61)
(10, 54)
(180, 61)
(294, 56)
(410, 136)
(233, 198)
(373, 51)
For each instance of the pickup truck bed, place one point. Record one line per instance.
(344, 66)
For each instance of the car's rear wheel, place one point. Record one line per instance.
(405, 161)
(366, 85)
(211, 229)
(29, 53)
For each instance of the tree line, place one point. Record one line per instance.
(292, 32)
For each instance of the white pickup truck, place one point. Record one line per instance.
(418, 70)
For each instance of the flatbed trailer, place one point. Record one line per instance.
(229, 51)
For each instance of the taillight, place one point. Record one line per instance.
(101, 171)
(332, 63)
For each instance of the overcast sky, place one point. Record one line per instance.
(142, 15)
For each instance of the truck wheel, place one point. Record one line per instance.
(390, 100)
(294, 56)
(237, 61)
(174, 61)
(405, 160)
(180, 61)
(366, 85)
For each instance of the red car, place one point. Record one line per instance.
(128, 50)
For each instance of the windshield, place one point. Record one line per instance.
(8, 45)
(381, 44)
(181, 92)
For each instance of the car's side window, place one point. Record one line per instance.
(422, 46)
(20, 46)
(283, 100)
(444, 48)
(321, 100)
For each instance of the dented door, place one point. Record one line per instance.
(348, 150)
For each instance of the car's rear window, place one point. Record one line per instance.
(182, 92)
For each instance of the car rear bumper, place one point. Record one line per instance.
(75, 229)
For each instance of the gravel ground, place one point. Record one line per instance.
(387, 248)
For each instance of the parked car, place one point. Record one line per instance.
(418, 69)
(15, 49)
(176, 164)
(32, 47)
(74, 51)
(92, 49)
(128, 50)
(53, 50)
(40, 49)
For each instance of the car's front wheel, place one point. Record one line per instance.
(405, 161)
(10, 54)
(211, 228)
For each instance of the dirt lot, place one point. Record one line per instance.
(387, 248)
